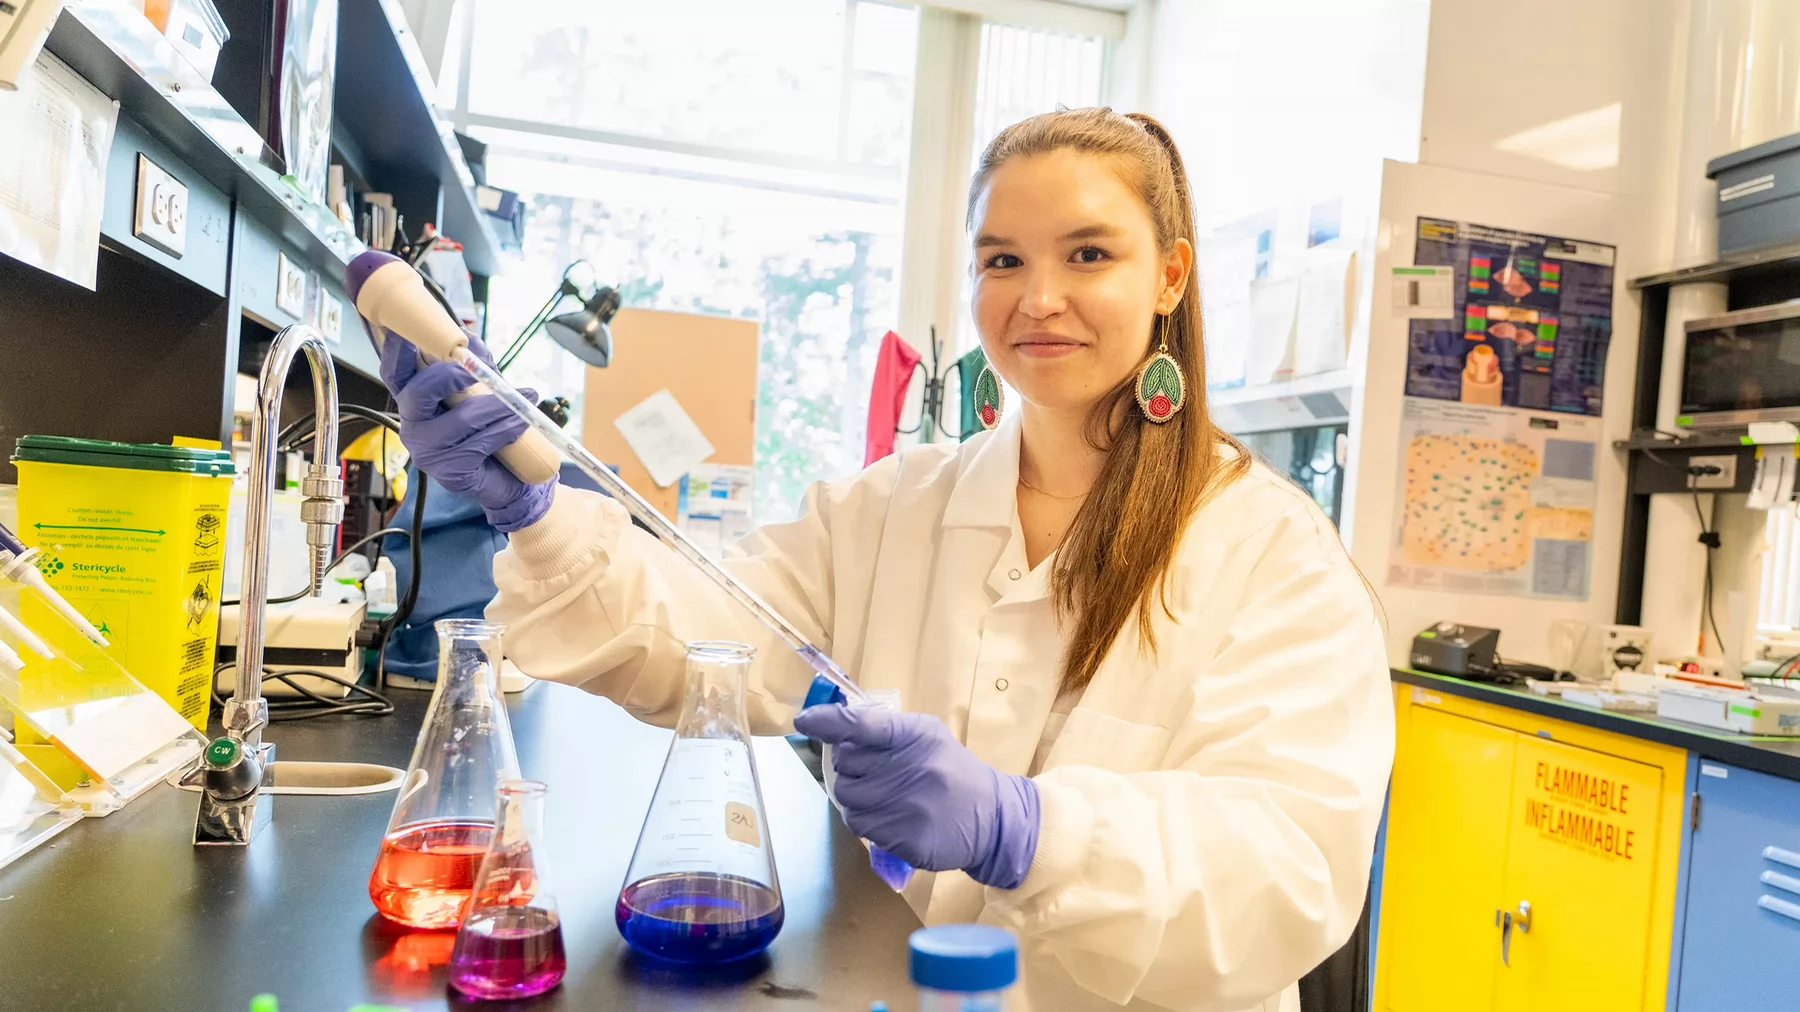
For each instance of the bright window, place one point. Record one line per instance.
(710, 156)
(746, 159)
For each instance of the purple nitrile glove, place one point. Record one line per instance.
(456, 445)
(908, 786)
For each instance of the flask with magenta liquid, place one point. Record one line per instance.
(511, 944)
(443, 821)
(701, 888)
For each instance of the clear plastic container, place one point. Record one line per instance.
(964, 967)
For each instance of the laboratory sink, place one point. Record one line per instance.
(330, 778)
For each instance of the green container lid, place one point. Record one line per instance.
(136, 456)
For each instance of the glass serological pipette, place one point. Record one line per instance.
(389, 293)
(659, 525)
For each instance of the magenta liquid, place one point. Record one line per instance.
(508, 952)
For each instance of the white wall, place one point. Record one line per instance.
(1553, 117)
(1549, 115)
(1283, 101)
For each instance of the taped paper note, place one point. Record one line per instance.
(58, 132)
(664, 438)
(1273, 304)
(1327, 304)
(1425, 293)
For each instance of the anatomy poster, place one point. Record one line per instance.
(1495, 501)
(1532, 320)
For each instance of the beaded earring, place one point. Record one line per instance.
(990, 398)
(1161, 389)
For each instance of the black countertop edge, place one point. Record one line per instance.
(1777, 758)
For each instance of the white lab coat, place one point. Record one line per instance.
(1209, 814)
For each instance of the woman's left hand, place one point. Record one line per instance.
(908, 786)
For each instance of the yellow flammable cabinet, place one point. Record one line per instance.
(1530, 863)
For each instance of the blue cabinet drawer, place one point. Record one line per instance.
(1741, 938)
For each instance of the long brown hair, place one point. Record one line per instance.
(1120, 550)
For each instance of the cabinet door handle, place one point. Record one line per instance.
(1780, 881)
(1782, 907)
(1504, 919)
(1780, 856)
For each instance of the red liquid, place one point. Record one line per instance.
(426, 872)
(508, 952)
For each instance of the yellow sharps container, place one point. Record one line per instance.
(133, 535)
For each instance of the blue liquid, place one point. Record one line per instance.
(699, 917)
(895, 872)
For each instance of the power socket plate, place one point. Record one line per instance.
(1726, 478)
(161, 219)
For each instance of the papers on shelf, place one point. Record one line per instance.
(59, 132)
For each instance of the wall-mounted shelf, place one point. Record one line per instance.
(117, 51)
(1321, 399)
(384, 101)
(1665, 460)
(1771, 260)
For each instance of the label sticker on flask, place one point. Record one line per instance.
(740, 824)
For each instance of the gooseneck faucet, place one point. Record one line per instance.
(236, 770)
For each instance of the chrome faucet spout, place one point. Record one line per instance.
(236, 771)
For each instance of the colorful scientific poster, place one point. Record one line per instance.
(1494, 501)
(1532, 321)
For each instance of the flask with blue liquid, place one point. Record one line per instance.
(701, 888)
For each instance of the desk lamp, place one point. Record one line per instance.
(585, 333)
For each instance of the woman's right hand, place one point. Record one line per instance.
(456, 444)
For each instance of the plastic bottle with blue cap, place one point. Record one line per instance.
(964, 967)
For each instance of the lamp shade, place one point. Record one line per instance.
(587, 332)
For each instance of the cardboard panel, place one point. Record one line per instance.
(707, 362)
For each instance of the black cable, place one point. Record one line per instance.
(302, 429)
(374, 704)
(412, 589)
(1709, 538)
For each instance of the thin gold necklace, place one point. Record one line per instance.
(1052, 495)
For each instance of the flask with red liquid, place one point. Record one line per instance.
(444, 818)
(511, 945)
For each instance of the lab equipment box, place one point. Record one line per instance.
(133, 535)
(1759, 195)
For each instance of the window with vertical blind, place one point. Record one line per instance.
(1780, 599)
(1024, 72)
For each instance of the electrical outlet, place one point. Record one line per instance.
(162, 209)
(1725, 479)
(331, 318)
(290, 286)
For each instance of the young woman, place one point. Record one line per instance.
(1148, 719)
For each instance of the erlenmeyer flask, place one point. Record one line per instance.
(701, 887)
(444, 817)
(511, 945)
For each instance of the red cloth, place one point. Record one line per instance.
(893, 374)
